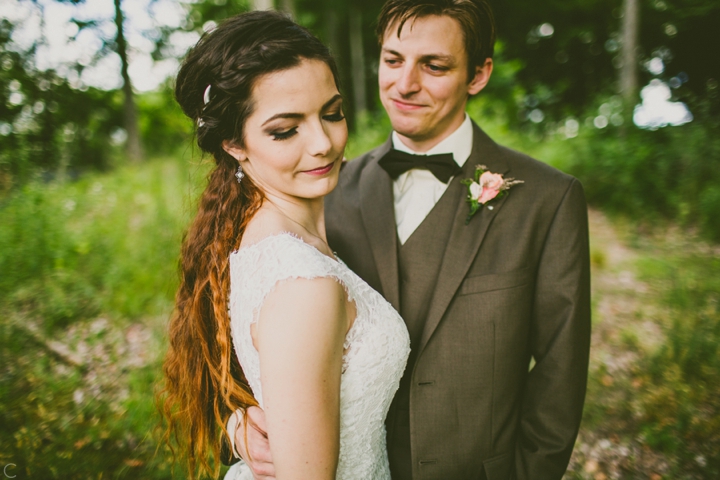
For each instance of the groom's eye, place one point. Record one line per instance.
(436, 68)
(392, 61)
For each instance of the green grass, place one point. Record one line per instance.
(680, 401)
(105, 247)
(666, 399)
(92, 265)
(106, 243)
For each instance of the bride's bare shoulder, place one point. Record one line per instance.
(267, 223)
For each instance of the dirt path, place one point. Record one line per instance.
(623, 303)
(623, 313)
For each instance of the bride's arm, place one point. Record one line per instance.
(300, 335)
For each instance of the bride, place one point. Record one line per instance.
(266, 314)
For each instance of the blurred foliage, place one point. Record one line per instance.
(53, 430)
(569, 52)
(670, 172)
(46, 126)
(554, 60)
(669, 400)
(680, 394)
(105, 245)
(68, 251)
(163, 126)
(561, 49)
(651, 175)
(82, 262)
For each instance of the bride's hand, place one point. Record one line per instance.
(260, 459)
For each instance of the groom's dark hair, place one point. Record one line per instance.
(474, 16)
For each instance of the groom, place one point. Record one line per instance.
(484, 298)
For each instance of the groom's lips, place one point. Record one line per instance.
(406, 106)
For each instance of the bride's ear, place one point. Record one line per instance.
(238, 153)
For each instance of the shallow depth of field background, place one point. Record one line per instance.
(99, 178)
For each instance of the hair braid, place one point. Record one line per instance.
(204, 380)
(203, 376)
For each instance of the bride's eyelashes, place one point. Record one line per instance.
(335, 117)
(285, 134)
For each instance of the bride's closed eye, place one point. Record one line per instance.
(335, 117)
(283, 134)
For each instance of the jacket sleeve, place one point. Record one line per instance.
(554, 391)
(228, 454)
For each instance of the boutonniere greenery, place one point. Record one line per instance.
(486, 186)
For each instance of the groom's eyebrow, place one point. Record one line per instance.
(435, 56)
(391, 52)
(430, 57)
(325, 106)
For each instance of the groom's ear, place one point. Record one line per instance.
(481, 78)
(234, 150)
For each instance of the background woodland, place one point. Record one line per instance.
(97, 186)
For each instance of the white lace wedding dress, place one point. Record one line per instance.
(376, 346)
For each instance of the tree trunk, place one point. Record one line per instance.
(357, 56)
(332, 27)
(263, 4)
(133, 145)
(630, 33)
(288, 6)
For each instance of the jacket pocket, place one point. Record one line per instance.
(495, 281)
(499, 467)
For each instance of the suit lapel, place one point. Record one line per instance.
(465, 240)
(378, 215)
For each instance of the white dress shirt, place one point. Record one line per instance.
(416, 191)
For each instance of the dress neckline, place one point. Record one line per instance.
(292, 235)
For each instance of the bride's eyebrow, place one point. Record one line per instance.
(325, 106)
(283, 115)
(331, 102)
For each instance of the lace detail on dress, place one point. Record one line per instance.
(376, 347)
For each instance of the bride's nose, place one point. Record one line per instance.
(319, 142)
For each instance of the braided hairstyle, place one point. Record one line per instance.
(204, 382)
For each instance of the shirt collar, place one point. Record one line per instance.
(459, 143)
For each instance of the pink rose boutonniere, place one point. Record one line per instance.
(484, 187)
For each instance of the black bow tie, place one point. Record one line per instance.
(395, 163)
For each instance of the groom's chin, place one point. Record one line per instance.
(406, 126)
(412, 125)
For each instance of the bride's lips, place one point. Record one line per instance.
(320, 171)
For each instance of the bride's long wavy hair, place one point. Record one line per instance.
(204, 382)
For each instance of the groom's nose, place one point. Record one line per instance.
(408, 81)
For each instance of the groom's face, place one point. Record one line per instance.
(423, 79)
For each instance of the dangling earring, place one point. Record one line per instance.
(239, 174)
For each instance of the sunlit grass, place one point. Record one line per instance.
(109, 241)
(88, 274)
(653, 405)
(680, 398)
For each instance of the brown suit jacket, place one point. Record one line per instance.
(513, 284)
